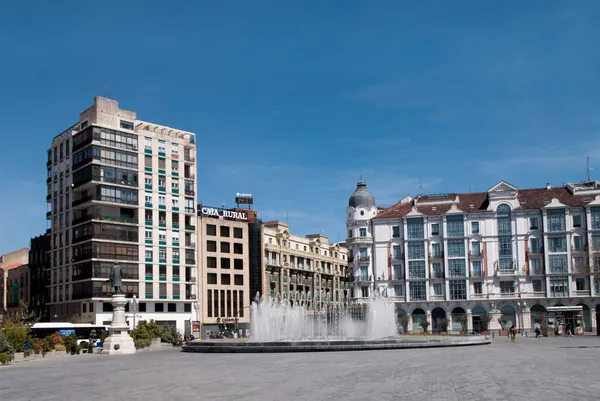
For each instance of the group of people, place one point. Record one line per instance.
(568, 331)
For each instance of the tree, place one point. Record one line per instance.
(443, 323)
(503, 322)
(424, 324)
(462, 319)
(77, 319)
(403, 321)
(485, 321)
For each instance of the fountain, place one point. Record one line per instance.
(315, 322)
(317, 317)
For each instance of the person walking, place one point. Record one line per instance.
(513, 333)
(537, 332)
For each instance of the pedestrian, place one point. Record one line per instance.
(513, 333)
(569, 330)
(537, 332)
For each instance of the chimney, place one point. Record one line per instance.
(548, 187)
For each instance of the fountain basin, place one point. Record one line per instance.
(333, 345)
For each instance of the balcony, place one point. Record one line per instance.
(48, 163)
(190, 227)
(579, 251)
(437, 297)
(436, 255)
(582, 293)
(359, 240)
(189, 261)
(476, 253)
(189, 244)
(189, 158)
(118, 219)
(81, 219)
(364, 258)
(536, 251)
(81, 201)
(477, 273)
(478, 296)
(435, 275)
(48, 215)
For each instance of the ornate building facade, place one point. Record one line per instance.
(528, 257)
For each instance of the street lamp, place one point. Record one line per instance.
(135, 307)
(197, 308)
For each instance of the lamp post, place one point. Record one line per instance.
(197, 309)
(135, 307)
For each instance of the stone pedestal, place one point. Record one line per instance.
(118, 342)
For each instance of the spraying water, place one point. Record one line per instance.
(314, 316)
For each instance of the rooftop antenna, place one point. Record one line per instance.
(589, 170)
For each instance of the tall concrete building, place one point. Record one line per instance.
(297, 265)
(122, 190)
(529, 257)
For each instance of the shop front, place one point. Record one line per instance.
(561, 317)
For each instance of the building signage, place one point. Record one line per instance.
(245, 199)
(227, 214)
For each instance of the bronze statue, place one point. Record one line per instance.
(115, 279)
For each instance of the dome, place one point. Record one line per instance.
(361, 196)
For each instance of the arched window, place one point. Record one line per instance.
(505, 251)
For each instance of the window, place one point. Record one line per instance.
(414, 228)
(507, 287)
(417, 290)
(478, 287)
(174, 166)
(238, 279)
(577, 221)
(211, 262)
(148, 233)
(238, 248)
(127, 125)
(534, 245)
(211, 229)
(149, 271)
(416, 269)
(162, 271)
(148, 216)
(505, 252)
(578, 243)
(189, 205)
(162, 199)
(397, 251)
(148, 197)
(435, 229)
(211, 246)
(580, 284)
(363, 232)
(211, 278)
(558, 244)
(238, 233)
(438, 289)
(225, 263)
(172, 307)
(396, 232)
(455, 226)
(537, 285)
(349, 233)
(162, 253)
(476, 249)
(556, 220)
(475, 227)
(160, 307)
(595, 218)
(149, 290)
(437, 271)
(148, 180)
(174, 184)
(175, 203)
(148, 143)
(162, 181)
(162, 235)
(559, 286)
(364, 273)
(162, 146)
(436, 251)
(398, 272)
(398, 291)
(225, 279)
(477, 269)
(456, 248)
(558, 263)
(225, 247)
(224, 231)
(535, 266)
(456, 268)
(416, 250)
(148, 253)
(174, 149)
(238, 264)
(533, 223)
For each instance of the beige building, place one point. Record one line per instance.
(14, 279)
(224, 270)
(295, 264)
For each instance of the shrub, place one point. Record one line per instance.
(403, 321)
(462, 319)
(71, 344)
(36, 346)
(57, 339)
(27, 353)
(424, 324)
(443, 323)
(60, 347)
(485, 320)
(5, 347)
(16, 334)
(5, 358)
(142, 343)
(144, 333)
(85, 345)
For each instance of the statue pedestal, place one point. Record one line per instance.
(118, 342)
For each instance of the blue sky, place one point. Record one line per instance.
(292, 101)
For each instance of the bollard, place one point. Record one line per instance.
(493, 334)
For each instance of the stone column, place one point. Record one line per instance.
(428, 317)
(118, 342)
(469, 321)
(526, 319)
(495, 313)
(449, 328)
(409, 327)
(593, 322)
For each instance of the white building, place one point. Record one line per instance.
(122, 191)
(512, 254)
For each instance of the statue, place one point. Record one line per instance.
(115, 279)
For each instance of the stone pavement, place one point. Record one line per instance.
(542, 369)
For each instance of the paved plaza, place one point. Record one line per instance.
(543, 369)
